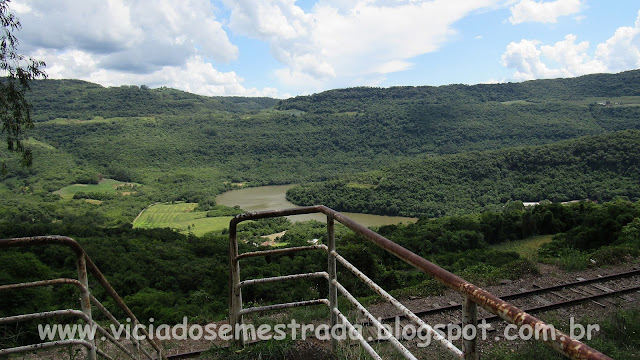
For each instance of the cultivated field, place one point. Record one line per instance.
(108, 186)
(182, 217)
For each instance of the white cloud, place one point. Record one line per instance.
(622, 50)
(195, 75)
(545, 12)
(525, 58)
(532, 60)
(344, 41)
(114, 42)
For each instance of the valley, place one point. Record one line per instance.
(147, 180)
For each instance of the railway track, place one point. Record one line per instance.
(598, 290)
(579, 292)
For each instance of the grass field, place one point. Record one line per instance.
(181, 217)
(99, 119)
(527, 248)
(108, 186)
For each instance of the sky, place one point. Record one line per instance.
(284, 48)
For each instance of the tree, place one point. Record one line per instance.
(18, 71)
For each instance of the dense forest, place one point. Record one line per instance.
(187, 146)
(166, 275)
(598, 168)
(569, 90)
(463, 158)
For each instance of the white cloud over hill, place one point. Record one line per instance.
(533, 60)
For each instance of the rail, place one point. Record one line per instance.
(472, 295)
(84, 265)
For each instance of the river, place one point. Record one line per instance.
(274, 197)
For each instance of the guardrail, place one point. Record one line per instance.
(471, 294)
(83, 265)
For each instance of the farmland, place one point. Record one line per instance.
(105, 186)
(181, 217)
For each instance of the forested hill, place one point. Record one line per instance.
(571, 89)
(595, 167)
(190, 147)
(77, 99)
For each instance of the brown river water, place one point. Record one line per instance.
(274, 197)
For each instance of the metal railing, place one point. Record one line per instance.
(471, 294)
(84, 265)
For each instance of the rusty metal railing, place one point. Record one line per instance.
(472, 295)
(84, 265)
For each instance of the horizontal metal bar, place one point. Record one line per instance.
(321, 274)
(42, 283)
(408, 313)
(282, 251)
(561, 342)
(283, 306)
(276, 213)
(44, 315)
(91, 266)
(394, 341)
(68, 312)
(46, 345)
(353, 330)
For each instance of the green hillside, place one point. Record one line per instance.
(319, 136)
(571, 90)
(596, 167)
(77, 99)
(103, 155)
(186, 147)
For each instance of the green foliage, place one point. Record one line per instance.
(267, 350)
(19, 71)
(182, 150)
(617, 338)
(222, 210)
(619, 335)
(599, 167)
(573, 89)
(76, 99)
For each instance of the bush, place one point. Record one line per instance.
(518, 268)
(613, 255)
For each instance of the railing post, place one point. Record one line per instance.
(333, 290)
(235, 293)
(85, 298)
(469, 317)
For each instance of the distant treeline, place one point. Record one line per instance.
(571, 89)
(77, 99)
(597, 168)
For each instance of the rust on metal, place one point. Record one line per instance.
(67, 312)
(284, 306)
(561, 342)
(41, 283)
(378, 325)
(320, 274)
(46, 345)
(357, 335)
(469, 317)
(441, 340)
(84, 265)
(281, 251)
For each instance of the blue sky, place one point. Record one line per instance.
(282, 48)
